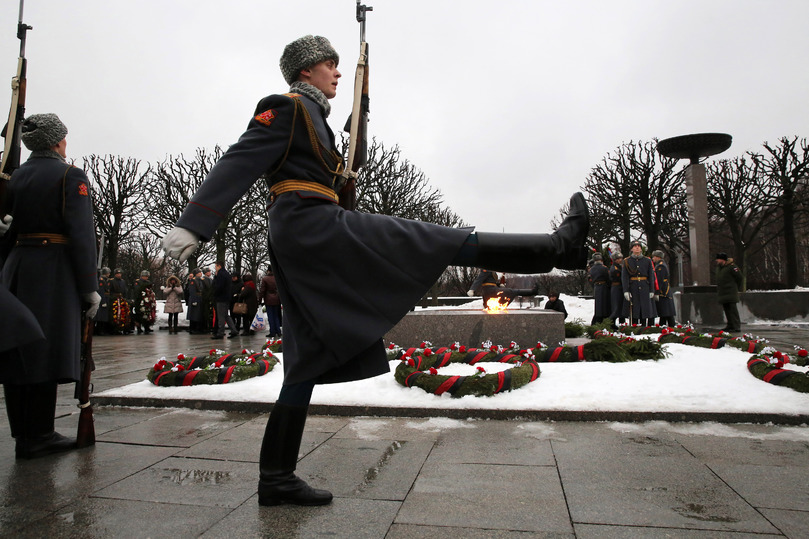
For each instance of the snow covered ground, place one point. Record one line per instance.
(690, 380)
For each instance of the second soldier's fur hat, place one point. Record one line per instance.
(304, 52)
(42, 131)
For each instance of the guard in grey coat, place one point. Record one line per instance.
(345, 278)
(600, 278)
(638, 278)
(619, 307)
(51, 268)
(664, 302)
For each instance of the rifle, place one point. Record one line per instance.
(357, 124)
(86, 434)
(13, 128)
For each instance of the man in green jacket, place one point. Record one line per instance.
(728, 282)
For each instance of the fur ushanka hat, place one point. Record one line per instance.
(304, 52)
(42, 131)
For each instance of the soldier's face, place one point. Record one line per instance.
(636, 249)
(322, 76)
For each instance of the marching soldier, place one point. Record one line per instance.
(637, 279)
(345, 278)
(663, 300)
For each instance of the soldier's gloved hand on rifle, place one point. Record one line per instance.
(5, 223)
(651, 295)
(656, 297)
(470, 293)
(179, 243)
(628, 296)
(94, 299)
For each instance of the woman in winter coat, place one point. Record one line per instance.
(249, 296)
(269, 295)
(174, 301)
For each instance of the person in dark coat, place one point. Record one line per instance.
(728, 282)
(664, 302)
(555, 304)
(600, 277)
(345, 278)
(121, 318)
(236, 286)
(102, 319)
(49, 255)
(619, 307)
(249, 295)
(194, 312)
(222, 295)
(637, 279)
(208, 303)
(268, 293)
(145, 304)
(492, 287)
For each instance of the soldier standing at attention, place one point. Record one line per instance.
(638, 279)
(664, 301)
(345, 278)
(619, 307)
(728, 282)
(50, 266)
(599, 276)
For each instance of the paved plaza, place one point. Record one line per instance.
(177, 472)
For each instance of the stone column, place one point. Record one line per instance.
(697, 196)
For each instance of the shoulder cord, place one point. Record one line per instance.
(315, 141)
(630, 270)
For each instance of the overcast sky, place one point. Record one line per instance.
(505, 106)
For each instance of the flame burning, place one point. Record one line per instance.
(494, 306)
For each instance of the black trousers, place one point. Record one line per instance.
(732, 316)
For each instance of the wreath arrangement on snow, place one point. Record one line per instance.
(218, 367)
(419, 368)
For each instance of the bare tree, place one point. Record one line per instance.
(786, 169)
(119, 190)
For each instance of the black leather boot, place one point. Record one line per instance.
(39, 437)
(539, 253)
(279, 458)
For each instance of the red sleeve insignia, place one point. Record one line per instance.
(83, 190)
(266, 117)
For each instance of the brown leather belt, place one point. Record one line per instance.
(290, 186)
(616, 284)
(42, 240)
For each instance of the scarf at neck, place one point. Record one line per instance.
(312, 93)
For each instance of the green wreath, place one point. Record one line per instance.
(769, 368)
(217, 367)
(421, 370)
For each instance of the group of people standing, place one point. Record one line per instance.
(636, 288)
(211, 303)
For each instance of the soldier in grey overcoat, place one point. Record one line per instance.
(600, 277)
(638, 278)
(50, 267)
(619, 307)
(345, 278)
(664, 302)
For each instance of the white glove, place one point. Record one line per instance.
(651, 295)
(5, 223)
(628, 296)
(179, 243)
(470, 293)
(656, 297)
(94, 299)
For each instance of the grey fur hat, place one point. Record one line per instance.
(597, 256)
(658, 253)
(304, 52)
(105, 270)
(145, 273)
(42, 131)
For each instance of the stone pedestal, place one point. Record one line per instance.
(472, 327)
(697, 196)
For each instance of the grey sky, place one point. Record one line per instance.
(506, 106)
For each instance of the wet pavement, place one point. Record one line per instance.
(173, 472)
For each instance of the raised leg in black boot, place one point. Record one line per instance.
(279, 452)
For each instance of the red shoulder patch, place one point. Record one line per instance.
(83, 190)
(266, 117)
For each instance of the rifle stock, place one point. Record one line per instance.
(357, 124)
(86, 434)
(13, 129)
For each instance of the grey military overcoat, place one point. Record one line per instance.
(52, 262)
(345, 278)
